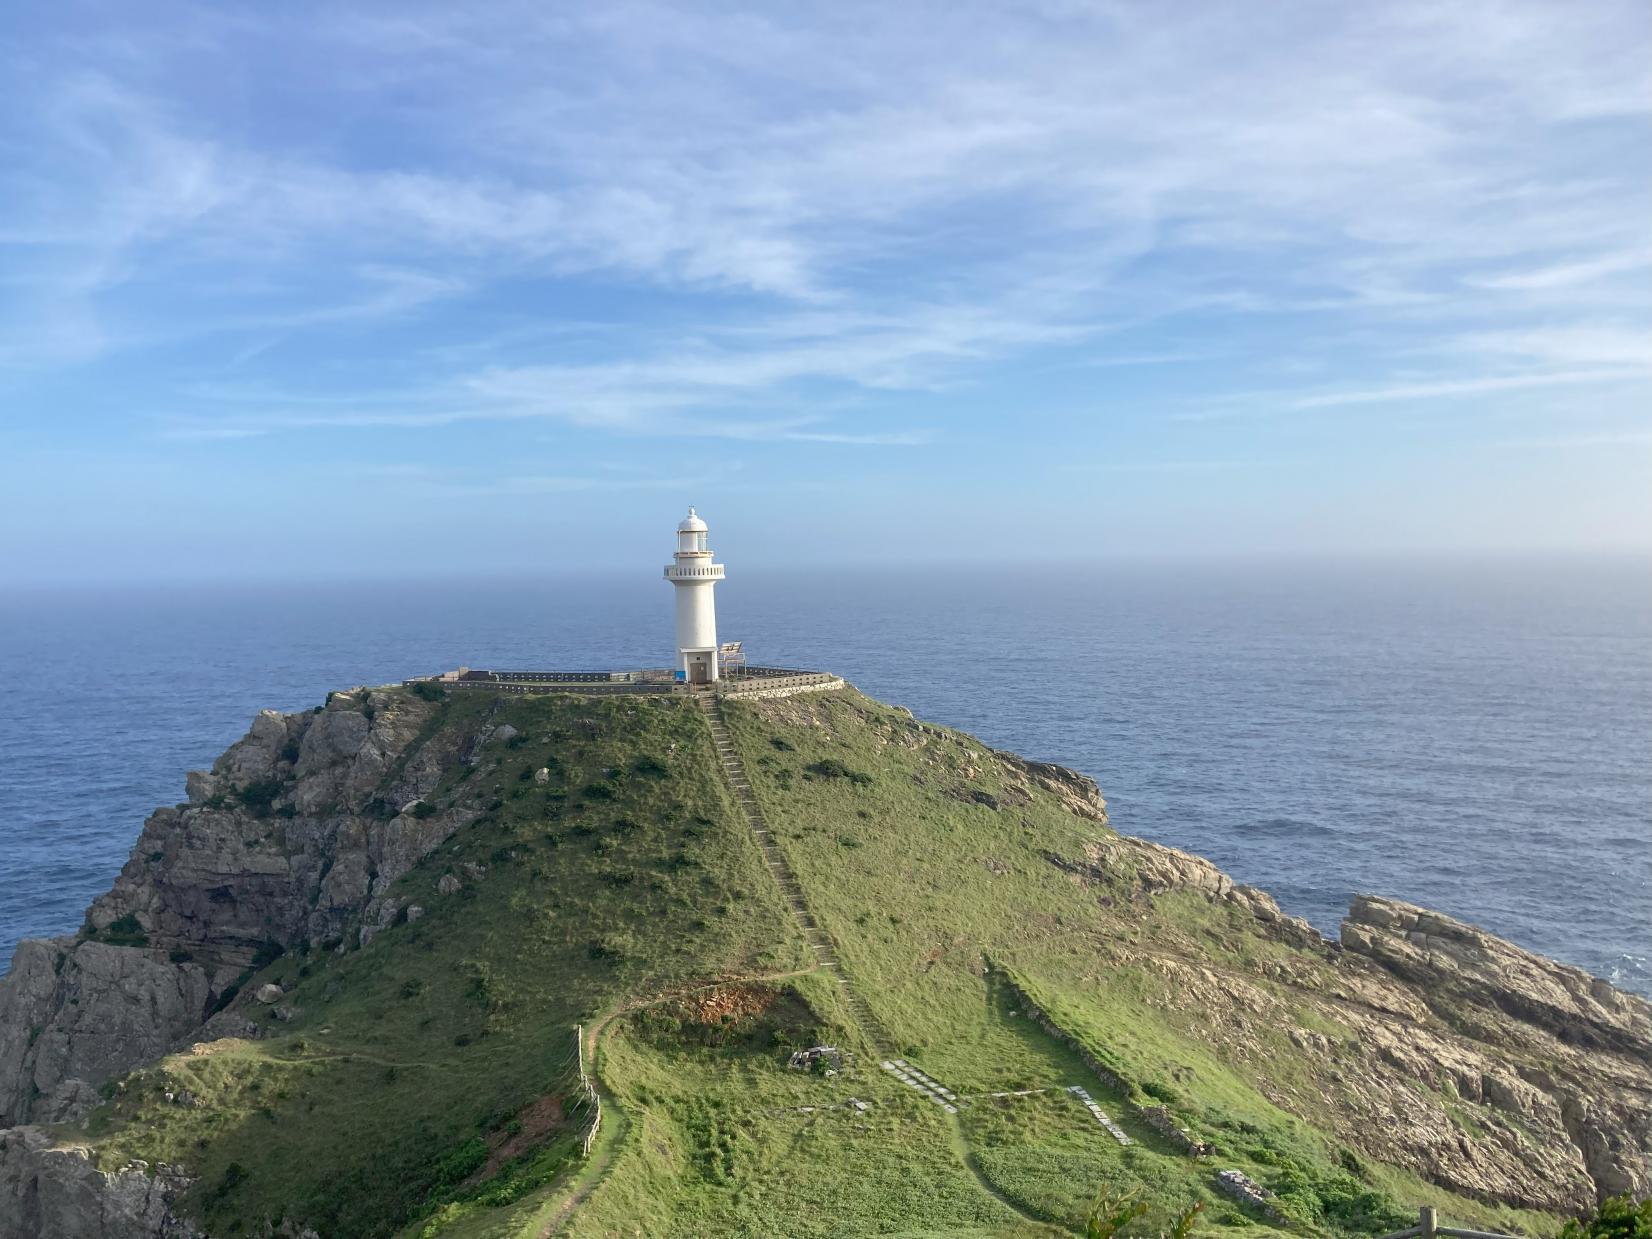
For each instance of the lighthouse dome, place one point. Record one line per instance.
(691, 524)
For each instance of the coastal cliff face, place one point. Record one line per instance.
(1421, 1041)
(1573, 1061)
(292, 837)
(1417, 1052)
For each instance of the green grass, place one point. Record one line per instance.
(354, 1117)
(615, 893)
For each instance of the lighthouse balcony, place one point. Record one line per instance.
(694, 572)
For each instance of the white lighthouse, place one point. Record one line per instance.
(695, 576)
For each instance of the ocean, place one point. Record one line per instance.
(1471, 735)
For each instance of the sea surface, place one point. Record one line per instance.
(1471, 735)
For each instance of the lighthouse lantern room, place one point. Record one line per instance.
(695, 576)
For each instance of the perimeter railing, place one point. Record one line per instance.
(739, 681)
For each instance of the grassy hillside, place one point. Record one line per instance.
(425, 1084)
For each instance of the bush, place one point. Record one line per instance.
(649, 768)
(259, 795)
(267, 953)
(424, 690)
(424, 809)
(125, 932)
(832, 768)
(1160, 1092)
(1618, 1217)
(462, 1161)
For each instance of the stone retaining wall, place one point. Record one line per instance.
(1156, 1117)
(786, 686)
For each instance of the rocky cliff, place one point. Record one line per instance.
(1439, 1047)
(292, 837)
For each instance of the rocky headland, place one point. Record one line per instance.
(1415, 1042)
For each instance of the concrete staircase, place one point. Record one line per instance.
(819, 942)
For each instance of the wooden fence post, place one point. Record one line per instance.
(1428, 1223)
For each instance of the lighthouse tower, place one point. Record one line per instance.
(695, 576)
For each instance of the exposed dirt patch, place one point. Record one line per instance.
(532, 1124)
(727, 1004)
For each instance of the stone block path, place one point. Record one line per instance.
(1118, 1133)
(913, 1078)
(781, 870)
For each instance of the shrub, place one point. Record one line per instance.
(1618, 1217)
(424, 809)
(125, 932)
(785, 746)
(267, 953)
(259, 795)
(462, 1161)
(1160, 1092)
(424, 690)
(832, 768)
(649, 768)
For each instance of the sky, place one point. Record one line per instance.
(350, 290)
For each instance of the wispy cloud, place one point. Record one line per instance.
(1587, 439)
(1566, 274)
(1459, 387)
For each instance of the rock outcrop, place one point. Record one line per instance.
(52, 1192)
(1491, 1071)
(294, 836)
(1576, 1052)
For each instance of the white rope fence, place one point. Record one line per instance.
(589, 1091)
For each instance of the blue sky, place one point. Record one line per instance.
(327, 289)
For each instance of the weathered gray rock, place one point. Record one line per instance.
(1580, 1049)
(269, 994)
(284, 841)
(86, 1011)
(1447, 956)
(50, 1192)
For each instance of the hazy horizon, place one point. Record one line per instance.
(644, 572)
